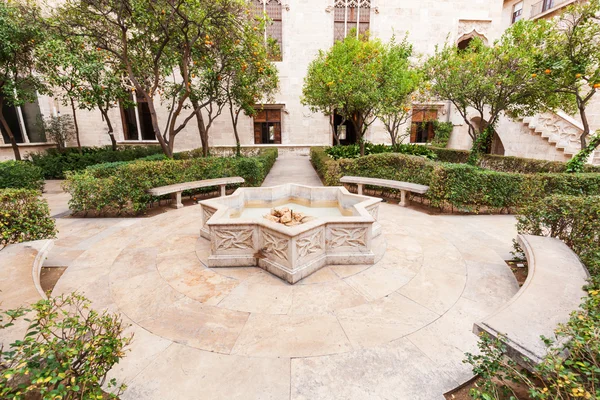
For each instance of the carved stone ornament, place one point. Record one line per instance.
(472, 28)
(351, 237)
(207, 213)
(233, 239)
(275, 245)
(310, 244)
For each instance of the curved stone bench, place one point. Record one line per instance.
(553, 289)
(404, 187)
(20, 267)
(178, 188)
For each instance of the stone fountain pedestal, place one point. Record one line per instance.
(291, 253)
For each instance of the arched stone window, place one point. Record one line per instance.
(351, 14)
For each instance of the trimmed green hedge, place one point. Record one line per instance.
(20, 175)
(462, 186)
(24, 216)
(506, 164)
(121, 188)
(573, 219)
(353, 150)
(54, 163)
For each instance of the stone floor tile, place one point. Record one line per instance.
(291, 336)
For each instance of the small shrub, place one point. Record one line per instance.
(122, 187)
(507, 163)
(461, 186)
(60, 130)
(353, 150)
(442, 131)
(24, 216)
(573, 219)
(66, 353)
(55, 164)
(20, 175)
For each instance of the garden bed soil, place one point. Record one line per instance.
(519, 269)
(49, 276)
(462, 392)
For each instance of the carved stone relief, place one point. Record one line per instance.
(310, 244)
(350, 237)
(239, 239)
(274, 245)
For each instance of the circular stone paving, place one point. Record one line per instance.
(397, 329)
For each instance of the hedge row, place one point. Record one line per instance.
(121, 188)
(24, 216)
(506, 164)
(574, 220)
(55, 164)
(461, 186)
(20, 175)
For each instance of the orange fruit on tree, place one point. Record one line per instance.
(597, 86)
(533, 75)
(547, 72)
(578, 76)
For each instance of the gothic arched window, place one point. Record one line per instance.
(351, 14)
(274, 28)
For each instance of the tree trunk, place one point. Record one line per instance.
(75, 124)
(111, 134)
(586, 128)
(201, 130)
(234, 122)
(13, 141)
(357, 122)
(154, 118)
(332, 125)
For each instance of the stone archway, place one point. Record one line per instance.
(469, 29)
(495, 146)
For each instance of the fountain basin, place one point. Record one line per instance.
(341, 232)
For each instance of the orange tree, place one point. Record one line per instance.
(160, 47)
(20, 34)
(347, 80)
(569, 66)
(489, 80)
(400, 79)
(250, 78)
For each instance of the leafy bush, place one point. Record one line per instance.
(572, 219)
(24, 216)
(55, 163)
(66, 353)
(507, 163)
(571, 368)
(353, 150)
(121, 187)
(442, 131)
(20, 175)
(458, 185)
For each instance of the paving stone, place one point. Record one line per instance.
(180, 372)
(291, 336)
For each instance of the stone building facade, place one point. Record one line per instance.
(304, 27)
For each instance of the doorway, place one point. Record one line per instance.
(345, 130)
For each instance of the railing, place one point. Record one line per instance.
(545, 5)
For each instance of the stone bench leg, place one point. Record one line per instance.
(223, 190)
(403, 198)
(176, 197)
(360, 189)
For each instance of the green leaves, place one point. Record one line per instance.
(24, 216)
(66, 353)
(20, 175)
(116, 189)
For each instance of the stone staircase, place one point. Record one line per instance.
(561, 131)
